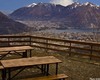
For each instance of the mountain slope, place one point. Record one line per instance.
(75, 15)
(9, 26)
(85, 15)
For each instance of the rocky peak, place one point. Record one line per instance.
(89, 4)
(31, 5)
(74, 5)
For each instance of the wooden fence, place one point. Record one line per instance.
(70, 47)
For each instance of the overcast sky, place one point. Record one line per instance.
(11, 5)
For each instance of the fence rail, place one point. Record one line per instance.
(90, 49)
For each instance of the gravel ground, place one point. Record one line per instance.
(75, 67)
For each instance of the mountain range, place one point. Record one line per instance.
(43, 16)
(76, 15)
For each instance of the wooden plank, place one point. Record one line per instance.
(15, 36)
(57, 45)
(67, 41)
(53, 39)
(1, 67)
(18, 48)
(14, 41)
(3, 53)
(50, 77)
(29, 61)
(50, 48)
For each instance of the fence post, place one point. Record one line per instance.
(91, 52)
(8, 42)
(47, 45)
(30, 39)
(70, 50)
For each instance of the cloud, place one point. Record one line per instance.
(62, 2)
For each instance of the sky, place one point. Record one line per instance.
(11, 5)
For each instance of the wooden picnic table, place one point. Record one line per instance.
(8, 50)
(15, 48)
(28, 62)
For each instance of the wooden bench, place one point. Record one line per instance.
(1, 67)
(50, 77)
(3, 54)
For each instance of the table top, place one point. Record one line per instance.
(29, 61)
(16, 48)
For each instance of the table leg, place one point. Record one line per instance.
(30, 53)
(43, 68)
(56, 68)
(3, 74)
(24, 54)
(47, 71)
(9, 74)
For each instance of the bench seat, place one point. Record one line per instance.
(50, 77)
(1, 67)
(3, 53)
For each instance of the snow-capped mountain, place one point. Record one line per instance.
(74, 15)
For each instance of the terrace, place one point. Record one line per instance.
(80, 59)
